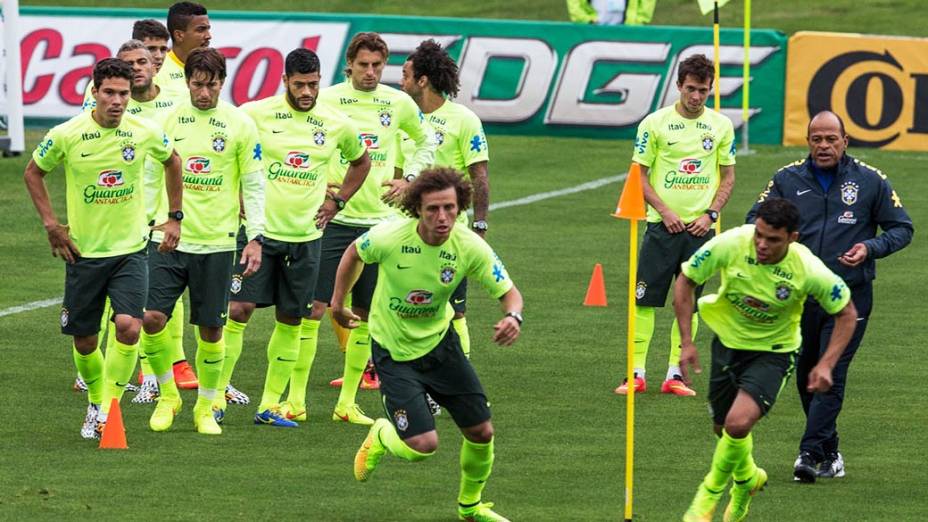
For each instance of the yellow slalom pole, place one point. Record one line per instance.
(630, 398)
(746, 72)
(715, 82)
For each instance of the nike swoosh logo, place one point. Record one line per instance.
(179, 139)
(281, 359)
(85, 154)
(458, 301)
(672, 143)
(121, 384)
(276, 132)
(741, 276)
(401, 267)
(801, 192)
(223, 315)
(207, 361)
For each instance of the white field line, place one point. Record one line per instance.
(527, 200)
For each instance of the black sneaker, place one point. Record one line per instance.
(832, 466)
(805, 468)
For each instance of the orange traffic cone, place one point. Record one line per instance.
(631, 202)
(114, 433)
(596, 292)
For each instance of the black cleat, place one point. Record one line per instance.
(805, 468)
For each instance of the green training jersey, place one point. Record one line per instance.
(297, 150)
(104, 176)
(157, 110)
(758, 307)
(172, 80)
(459, 140)
(410, 312)
(378, 115)
(684, 156)
(218, 148)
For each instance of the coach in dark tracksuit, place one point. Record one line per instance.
(841, 202)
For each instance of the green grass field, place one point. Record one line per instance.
(560, 430)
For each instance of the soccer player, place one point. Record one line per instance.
(300, 138)
(416, 350)
(103, 152)
(379, 112)
(844, 200)
(430, 77)
(766, 278)
(188, 25)
(221, 157)
(687, 156)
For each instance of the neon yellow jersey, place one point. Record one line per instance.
(758, 307)
(217, 148)
(378, 115)
(172, 80)
(297, 150)
(459, 140)
(104, 176)
(410, 312)
(684, 156)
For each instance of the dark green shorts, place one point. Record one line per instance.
(286, 280)
(659, 261)
(335, 241)
(459, 298)
(89, 280)
(444, 373)
(206, 275)
(761, 374)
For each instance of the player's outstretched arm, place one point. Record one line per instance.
(684, 304)
(349, 270)
(58, 237)
(845, 323)
(507, 330)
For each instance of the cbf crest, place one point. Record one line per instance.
(708, 142)
(401, 420)
(236, 284)
(641, 289)
(319, 138)
(219, 142)
(128, 151)
(446, 276)
(439, 137)
(386, 118)
(849, 192)
(783, 292)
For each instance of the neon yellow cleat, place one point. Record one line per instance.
(703, 506)
(205, 422)
(370, 452)
(480, 513)
(741, 495)
(353, 414)
(293, 412)
(165, 411)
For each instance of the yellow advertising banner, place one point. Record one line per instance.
(877, 84)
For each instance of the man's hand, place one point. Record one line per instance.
(251, 258)
(345, 317)
(326, 212)
(506, 331)
(395, 193)
(331, 189)
(819, 379)
(61, 243)
(701, 226)
(855, 256)
(171, 230)
(689, 358)
(672, 222)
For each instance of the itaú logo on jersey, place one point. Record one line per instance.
(369, 140)
(690, 166)
(198, 165)
(297, 159)
(419, 297)
(110, 178)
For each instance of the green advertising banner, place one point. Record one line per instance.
(528, 78)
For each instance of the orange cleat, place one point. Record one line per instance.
(640, 386)
(184, 376)
(370, 381)
(336, 383)
(675, 386)
(141, 378)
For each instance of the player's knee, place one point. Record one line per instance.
(154, 321)
(481, 433)
(210, 334)
(458, 315)
(85, 345)
(738, 427)
(425, 444)
(127, 329)
(241, 312)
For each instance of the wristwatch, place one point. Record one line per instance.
(339, 202)
(176, 215)
(515, 315)
(259, 239)
(713, 215)
(410, 177)
(480, 225)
